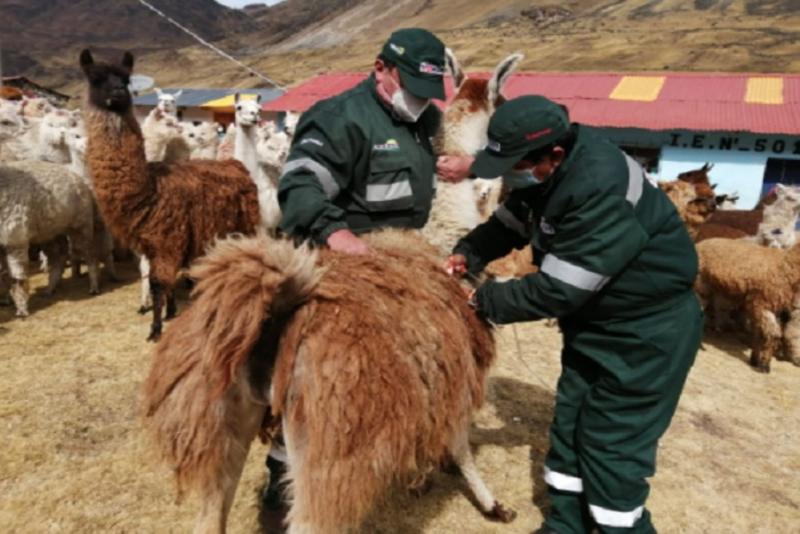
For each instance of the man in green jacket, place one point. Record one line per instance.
(363, 160)
(616, 267)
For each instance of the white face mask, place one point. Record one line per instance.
(520, 179)
(408, 107)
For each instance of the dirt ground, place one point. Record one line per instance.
(73, 458)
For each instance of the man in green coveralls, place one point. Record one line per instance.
(616, 267)
(363, 160)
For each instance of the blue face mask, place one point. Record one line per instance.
(519, 179)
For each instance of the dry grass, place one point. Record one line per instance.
(73, 459)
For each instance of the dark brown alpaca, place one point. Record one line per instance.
(168, 212)
(372, 365)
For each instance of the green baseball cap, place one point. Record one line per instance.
(516, 128)
(419, 56)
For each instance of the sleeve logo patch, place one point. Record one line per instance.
(494, 146)
(546, 227)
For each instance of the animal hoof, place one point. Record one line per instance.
(143, 310)
(501, 513)
(762, 369)
(94, 291)
(153, 336)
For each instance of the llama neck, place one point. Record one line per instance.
(118, 169)
(77, 163)
(245, 149)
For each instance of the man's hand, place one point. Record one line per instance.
(346, 241)
(456, 265)
(453, 169)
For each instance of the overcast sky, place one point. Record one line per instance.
(242, 3)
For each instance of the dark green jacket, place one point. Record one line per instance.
(354, 165)
(608, 244)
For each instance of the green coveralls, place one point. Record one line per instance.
(616, 267)
(354, 165)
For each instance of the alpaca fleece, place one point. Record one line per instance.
(374, 363)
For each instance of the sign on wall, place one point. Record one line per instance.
(736, 143)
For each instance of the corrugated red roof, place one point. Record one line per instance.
(691, 101)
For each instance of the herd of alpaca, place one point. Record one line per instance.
(279, 336)
(749, 262)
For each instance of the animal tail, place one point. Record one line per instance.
(202, 381)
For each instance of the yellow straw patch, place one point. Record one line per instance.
(764, 91)
(641, 88)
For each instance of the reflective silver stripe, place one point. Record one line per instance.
(324, 176)
(384, 192)
(614, 518)
(563, 482)
(508, 219)
(635, 180)
(572, 274)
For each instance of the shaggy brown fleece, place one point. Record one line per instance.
(375, 374)
(762, 281)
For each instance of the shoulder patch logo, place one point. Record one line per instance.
(389, 145)
(494, 146)
(546, 227)
(399, 49)
(312, 141)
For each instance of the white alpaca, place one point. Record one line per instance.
(458, 208)
(777, 228)
(40, 201)
(248, 113)
(168, 103)
(163, 137)
(45, 138)
(290, 123)
(202, 139)
(272, 147)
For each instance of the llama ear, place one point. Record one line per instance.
(454, 67)
(86, 59)
(178, 95)
(258, 98)
(127, 61)
(501, 74)
(709, 166)
(159, 92)
(236, 98)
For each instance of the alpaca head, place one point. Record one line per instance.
(788, 197)
(164, 126)
(168, 103)
(487, 195)
(11, 123)
(76, 140)
(35, 107)
(200, 134)
(55, 127)
(248, 112)
(466, 119)
(108, 83)
(272, 144)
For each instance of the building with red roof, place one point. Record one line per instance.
(747, 124)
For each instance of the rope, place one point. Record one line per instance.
(210, 45)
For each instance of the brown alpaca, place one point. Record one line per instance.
(763, 282)
(315, 342)
(167, 212)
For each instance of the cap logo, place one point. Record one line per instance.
(430, 68)
(536, 135)
(399, 49)
(494, 146)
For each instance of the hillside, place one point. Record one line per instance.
(300, 38)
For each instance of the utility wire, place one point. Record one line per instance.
(210, 45)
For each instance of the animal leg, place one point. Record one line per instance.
(144, 272)
(17, 260)
(767, 338)
(171, 308)
(157, 293)
(57, 258)
(243, 419)
(490, 507)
